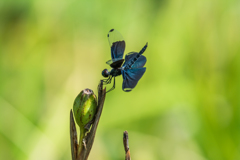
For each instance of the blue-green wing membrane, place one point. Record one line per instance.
(116, 43)
(130, 55)
(139, 63)
(131, 78)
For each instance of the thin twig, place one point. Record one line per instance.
(126, 145)
(73, 136)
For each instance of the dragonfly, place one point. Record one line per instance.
(131, 70)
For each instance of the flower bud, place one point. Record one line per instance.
(84, 108)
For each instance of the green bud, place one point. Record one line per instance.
(84, 108)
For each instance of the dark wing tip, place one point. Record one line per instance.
(127, 90)
(111, 30)
(108, 35)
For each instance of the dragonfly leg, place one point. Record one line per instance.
(107, 81)
(110, 80)
(112, 87)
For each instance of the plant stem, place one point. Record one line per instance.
(81, 144)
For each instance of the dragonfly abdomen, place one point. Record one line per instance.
(130, 64)
(143, 49)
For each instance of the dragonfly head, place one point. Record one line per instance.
(105, 73)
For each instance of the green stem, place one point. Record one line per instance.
(82, 135)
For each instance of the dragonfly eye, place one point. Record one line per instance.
(105, 73)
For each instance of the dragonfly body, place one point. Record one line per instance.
(114, 72)
(131, 70)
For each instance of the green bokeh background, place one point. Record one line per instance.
(186, 106)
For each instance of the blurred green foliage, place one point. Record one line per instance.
(186, 106)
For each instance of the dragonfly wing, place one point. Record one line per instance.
(130, 55)
(109, 62)
(116, 43)
(131, 78)
(140, 62)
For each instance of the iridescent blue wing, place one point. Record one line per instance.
(131, 78)
(139, 63)
(116, 43)
(130, 55)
